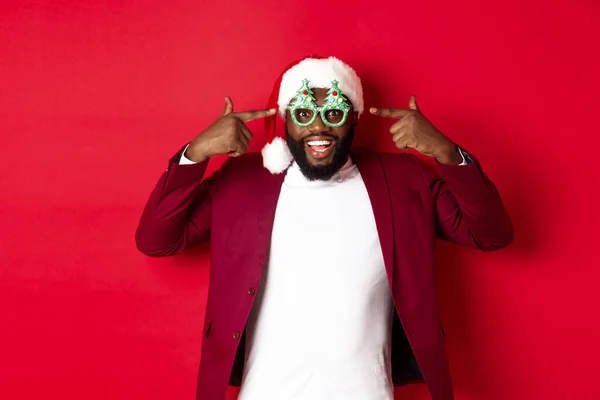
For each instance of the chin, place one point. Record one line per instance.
(319, 161)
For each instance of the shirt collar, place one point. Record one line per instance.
(347, 171)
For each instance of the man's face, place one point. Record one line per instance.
(318, 149)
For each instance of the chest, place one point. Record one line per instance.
(327, 233)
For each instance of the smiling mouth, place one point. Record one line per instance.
(319, 148)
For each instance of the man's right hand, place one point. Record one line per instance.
(227, 135)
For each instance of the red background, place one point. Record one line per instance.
(96, 96)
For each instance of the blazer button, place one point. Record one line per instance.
(251, 291)
(236, 335)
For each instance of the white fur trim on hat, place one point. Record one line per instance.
(320, 73)
(276, 156)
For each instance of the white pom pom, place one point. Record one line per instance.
(276, 156)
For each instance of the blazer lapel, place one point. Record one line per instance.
(371, 169)
(270, 187)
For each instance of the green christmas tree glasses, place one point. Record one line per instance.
(334, 112)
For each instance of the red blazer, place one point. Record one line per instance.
(235, 209)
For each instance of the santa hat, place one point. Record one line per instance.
(320, 72)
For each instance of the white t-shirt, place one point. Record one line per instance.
(320, 328)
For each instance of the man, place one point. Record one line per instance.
(322, 277)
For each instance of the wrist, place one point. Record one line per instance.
(195, 153)
(450, 155)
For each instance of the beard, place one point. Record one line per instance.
(325, 172)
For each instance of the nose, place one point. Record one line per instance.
(318, 126)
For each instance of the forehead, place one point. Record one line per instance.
(320, 91)
(320, 95)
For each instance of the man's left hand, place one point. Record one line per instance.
(414, 131)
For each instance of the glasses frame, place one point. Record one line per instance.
(335, 100)
(319, 111)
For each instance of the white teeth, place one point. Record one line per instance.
(319, 143)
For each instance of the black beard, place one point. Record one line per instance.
(321, 172)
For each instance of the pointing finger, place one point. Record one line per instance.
(412, 103)
(228, 106)
(390, 112)
(247, 116)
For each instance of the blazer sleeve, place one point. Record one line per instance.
(178, 212)
(469, 210)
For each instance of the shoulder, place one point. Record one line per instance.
(247, 167)
(249, 162)
(400, 168)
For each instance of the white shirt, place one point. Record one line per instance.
(320, 328)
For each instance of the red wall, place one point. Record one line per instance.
(96, 96)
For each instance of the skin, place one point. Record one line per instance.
(414, 131)
(229, 135)
(226, 135)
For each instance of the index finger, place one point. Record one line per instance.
(391, 112)
(247, 116)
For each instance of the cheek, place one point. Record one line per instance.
(348, 125)
(294, 130)
(343, 130)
